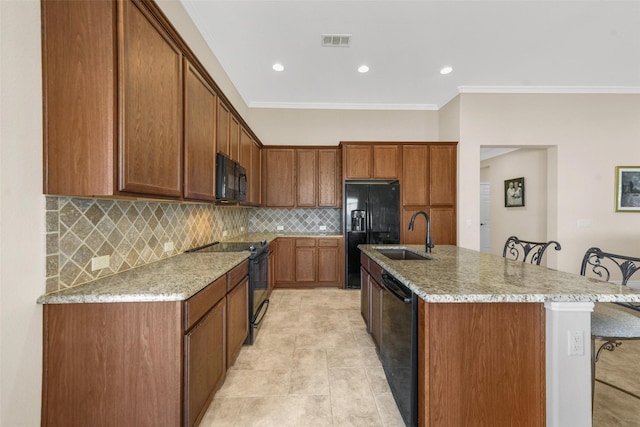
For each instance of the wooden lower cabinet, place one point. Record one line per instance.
(365, 289)
(375, 320)
(142, 363)
(316, 262)
(238, 319)
(481, 361)
(205, 367)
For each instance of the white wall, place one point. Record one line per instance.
(22, 256)
(329, 127)
(528, 222)
(592, 133)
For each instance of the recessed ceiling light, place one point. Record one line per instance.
(363, 69)
(278, 66)
(446, 70)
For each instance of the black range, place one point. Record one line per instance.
(258, 278)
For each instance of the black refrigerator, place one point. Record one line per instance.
(371, 215)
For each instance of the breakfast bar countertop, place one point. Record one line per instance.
(456, 274)
(169, 279)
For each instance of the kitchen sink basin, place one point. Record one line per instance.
(402, 254)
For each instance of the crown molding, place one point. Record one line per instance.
(338, 106)
(627, 90)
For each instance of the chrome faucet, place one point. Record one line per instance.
(428, 243)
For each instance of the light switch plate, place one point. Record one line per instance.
(323, 228)
(280, 227)
(168, 246)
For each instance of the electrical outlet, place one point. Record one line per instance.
(168, 246)
(280, 227)
(225, 233)
(576, 343)
(100, 262)
(242, 229)
(323, 228)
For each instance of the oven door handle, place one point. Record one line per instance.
(256, 322)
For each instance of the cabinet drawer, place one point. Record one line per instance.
(328, 242)
(376, 271)
(364, 261)
(198, 305)
(305, 243)
(237, 274)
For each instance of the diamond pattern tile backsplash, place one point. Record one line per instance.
(296, 220)
(134, 233)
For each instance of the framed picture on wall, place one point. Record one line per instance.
(627, 188)
(514, 192)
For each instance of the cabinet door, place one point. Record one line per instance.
(151, 106)
(442, 168)
(237, 319)
(273, 251)
(279, 177)
(199, 137)
(285, 268)
(415, 175)
(376, 312)
(205, 368)
(329, 270)
(306, 173)
(234, 137)
(329, 181)
(222, 128)
(79, 86)
(306, 260)
(256, 173)
(443, 225)
(357, 161)
(364, 297)
(387, 161)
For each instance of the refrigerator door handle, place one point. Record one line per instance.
(367, 220)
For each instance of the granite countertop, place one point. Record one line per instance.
(269, 237)
(462, 275)
(170, 279)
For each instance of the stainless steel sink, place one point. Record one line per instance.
(402, 254)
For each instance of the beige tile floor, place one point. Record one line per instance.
(314, 365)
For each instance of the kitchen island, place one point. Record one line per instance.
(493, 346)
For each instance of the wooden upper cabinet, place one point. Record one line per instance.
(357, 161)
(387, 161)
(256, 174)
(329, 179)
(79, 104)
(199, 136)
(415, 175)
(245, 148)
(442, 168)
(372, 161)
(306, 177)
(234, 138)
(279, 173)
(151, 106)
(222, 128)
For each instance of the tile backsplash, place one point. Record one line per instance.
(134, 233)
(296, 220)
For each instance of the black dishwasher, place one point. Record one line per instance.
(399, 352)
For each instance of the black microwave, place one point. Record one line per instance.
(231, 179)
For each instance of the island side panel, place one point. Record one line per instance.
(483, 363)
(112, 364)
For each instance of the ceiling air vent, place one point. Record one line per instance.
(336, 40)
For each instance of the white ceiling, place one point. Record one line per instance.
(493, 46)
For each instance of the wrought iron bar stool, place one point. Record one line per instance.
(611, 323)
(527, 251)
